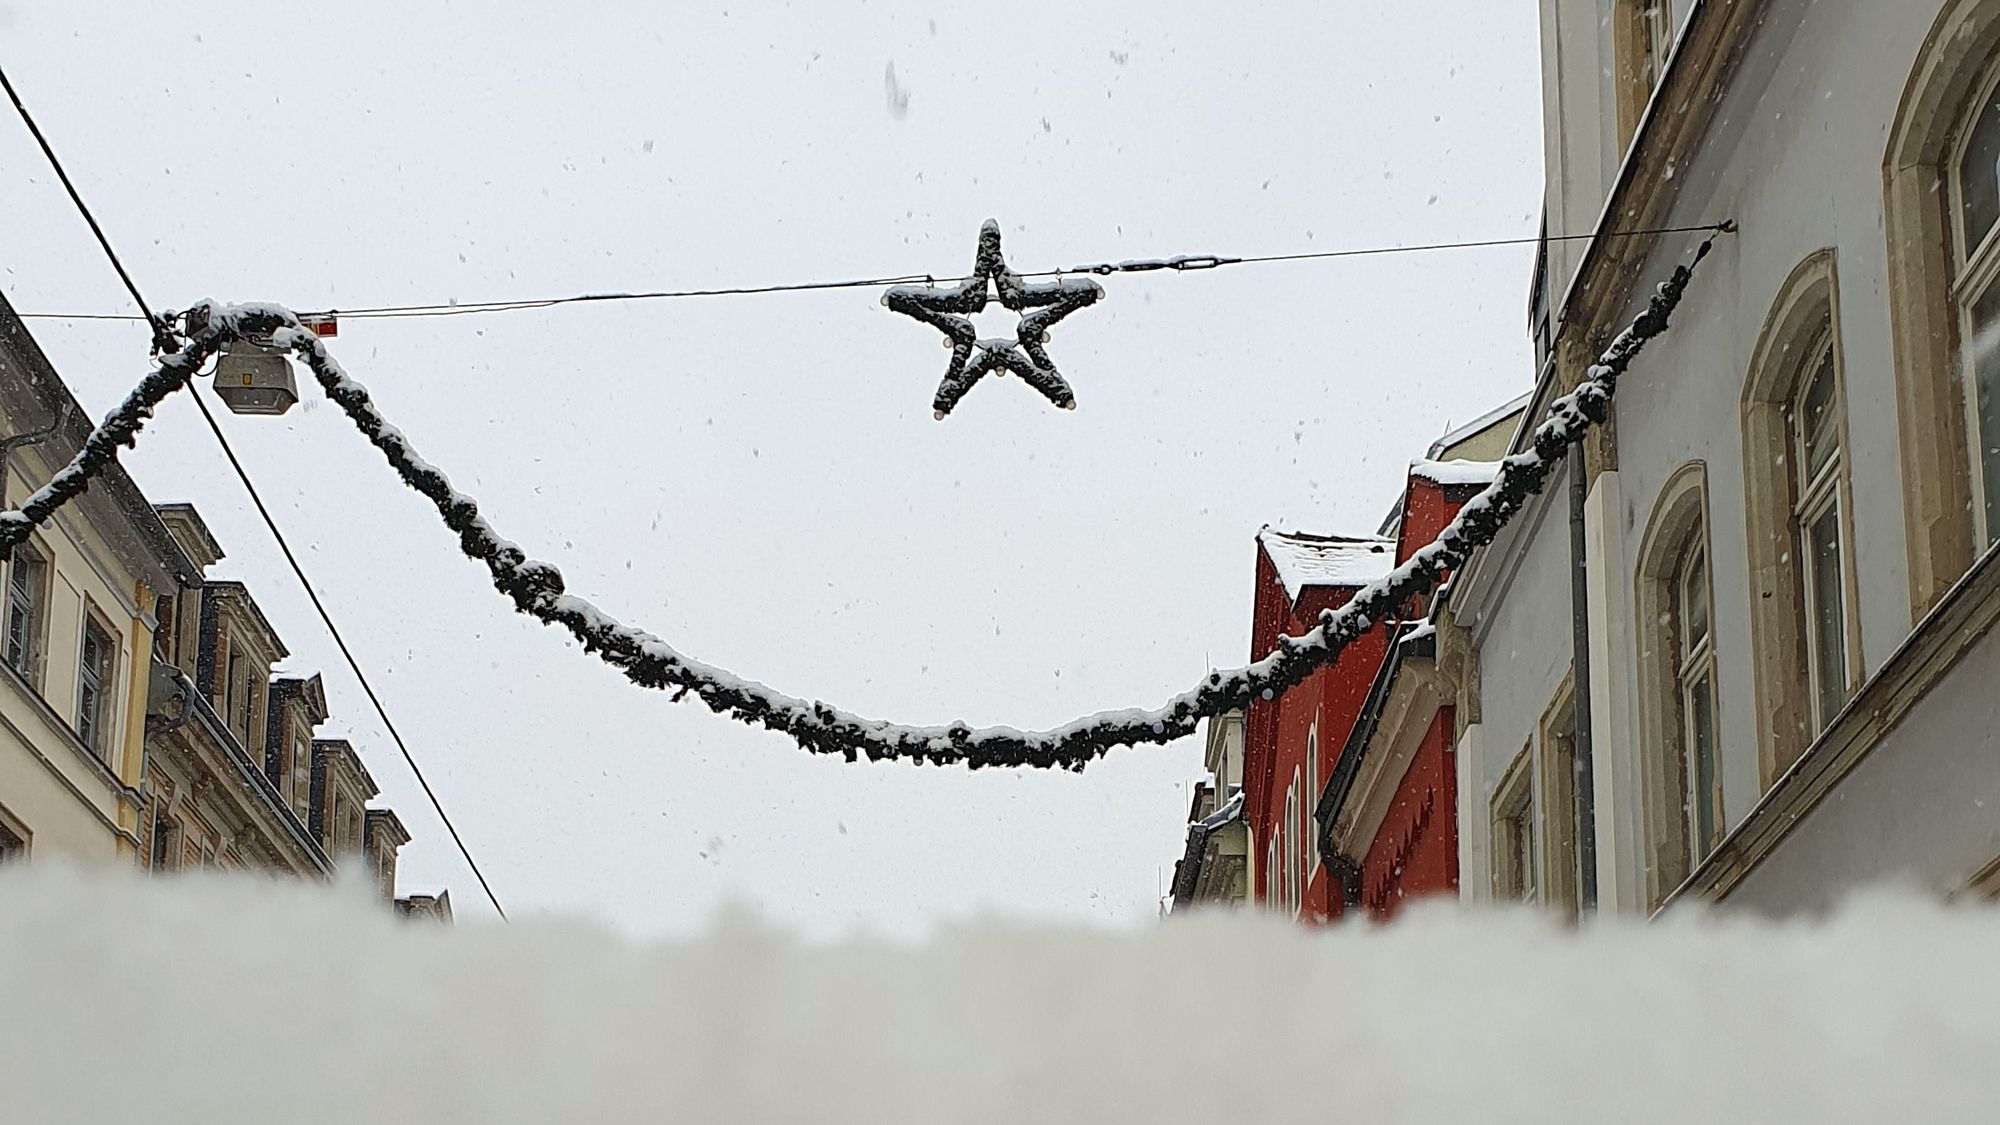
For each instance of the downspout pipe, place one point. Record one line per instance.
(1583, 773)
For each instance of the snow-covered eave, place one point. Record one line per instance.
(1455, 473)
(1339, 562)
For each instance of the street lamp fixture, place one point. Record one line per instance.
(254, 378)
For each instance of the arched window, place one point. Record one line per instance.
(1306, 817)
(1271, 870)
(1681, 764)
(1796, 504)
(1939, 215)
(1291, 844)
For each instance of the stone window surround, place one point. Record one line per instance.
(1680, 521)
(1806, 309)
(1632, 41)
(1956, 59)
(1554, 754)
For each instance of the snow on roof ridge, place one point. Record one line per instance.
(1303, 559)
(1456, 471)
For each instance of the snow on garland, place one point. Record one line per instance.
(1025, 355)
(536, 588)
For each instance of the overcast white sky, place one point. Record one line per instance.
(758, 479)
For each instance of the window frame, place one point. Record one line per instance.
(1308, 818)
(1289, 852)
(95, 718)
(1694, 675)
(1643, 41)
(1801, 332)
(1678, 526)
(1816, 495)
(1975, 273)
(1559, 843)
(35, 646)
(1515, 875)
(17, 843)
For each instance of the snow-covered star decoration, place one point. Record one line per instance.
(972, 358)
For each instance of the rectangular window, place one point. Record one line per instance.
(1563, 804)
(230, 680)
(12, 845)
(165, 850)
(1644, 32)
(94, 687)
(1656, 31)
(1515, 854)
(26, 579)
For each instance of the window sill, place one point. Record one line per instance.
(67, 735)
(1961, 618)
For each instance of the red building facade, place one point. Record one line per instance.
(1386, 821)
(1290, 740)
(1348, 778)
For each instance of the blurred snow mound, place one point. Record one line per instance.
(236, 1000)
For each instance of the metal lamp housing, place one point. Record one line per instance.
(253, 378)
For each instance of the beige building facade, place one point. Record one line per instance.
(140, 720)
(1783, 638)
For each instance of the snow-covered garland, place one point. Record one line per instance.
(536, 588)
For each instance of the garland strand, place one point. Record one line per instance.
(536, 588)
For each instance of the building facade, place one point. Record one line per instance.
(140, 720)
(1386, 819)
(1769, 686)
(76, 632)
(1272, 822)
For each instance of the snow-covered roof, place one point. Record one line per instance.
(1325, 560)
(1473, 428)
(1456, 472)
(1230, 810)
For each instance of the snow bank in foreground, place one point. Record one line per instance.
(218, 1002)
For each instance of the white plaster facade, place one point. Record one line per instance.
(1800, 98)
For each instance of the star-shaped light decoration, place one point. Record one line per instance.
(972, 358)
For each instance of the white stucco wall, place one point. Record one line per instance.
(1923, 806)
(1523, 649)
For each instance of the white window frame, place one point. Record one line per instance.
(1694, 663)
(1656, 40)
(1975, 271)
(1817, 494)
(1313, 783)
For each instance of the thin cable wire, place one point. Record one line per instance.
(1183, 264)
(162, 340)
(161, 337)
(345, 652)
